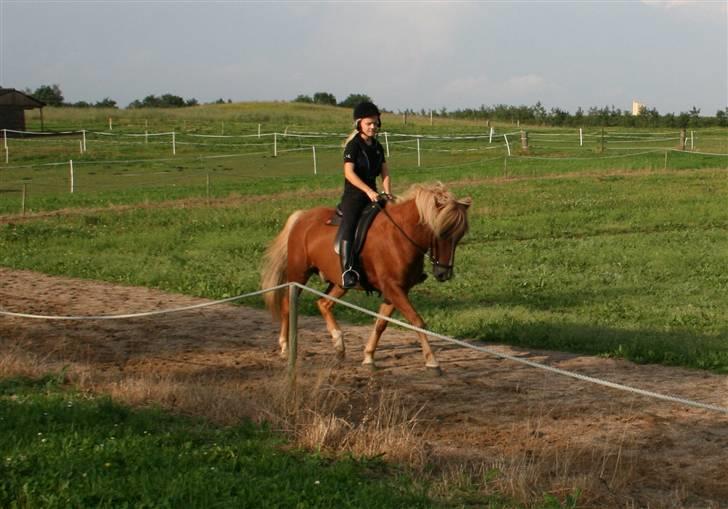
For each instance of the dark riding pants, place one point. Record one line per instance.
(351, 205)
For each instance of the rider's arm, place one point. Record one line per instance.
(386, 184)
(352, 177)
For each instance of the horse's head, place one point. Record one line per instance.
(454, 225)
(447, 218)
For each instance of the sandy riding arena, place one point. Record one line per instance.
(486, 423)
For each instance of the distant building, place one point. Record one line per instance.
(637, 107)
(12, 109)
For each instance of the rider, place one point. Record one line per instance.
(363, 163)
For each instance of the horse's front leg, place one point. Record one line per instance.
(401, 301)
(385, 309)
(325, 306)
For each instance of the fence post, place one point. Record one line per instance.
(275, 144)
(111, 127)
(83, 134)
(682, 139)
(292, 330)
(508, 145)
(174, 144)
(524, 141)
(5, 145)
(490, 136)
(431, 117)
(581, 137)
(692, 140)
(386, 142)
(70, 166)
(258, 131)
(207, 188)
(665, 160)
(313, 148)
(23, 198)
(418, 152)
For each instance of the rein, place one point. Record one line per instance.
(427, 252)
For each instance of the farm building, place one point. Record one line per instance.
(12, 109)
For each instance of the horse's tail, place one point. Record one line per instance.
(275, 266)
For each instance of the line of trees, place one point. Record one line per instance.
(329, 99)
(607, 116)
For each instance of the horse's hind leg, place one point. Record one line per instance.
(385, 309)
(325, 305)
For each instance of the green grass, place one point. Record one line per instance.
(570, 248)
(631, 266)
(65, 449)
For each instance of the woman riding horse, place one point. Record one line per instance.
(363, 163)
(427, 221)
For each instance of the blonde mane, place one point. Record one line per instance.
(438, 208)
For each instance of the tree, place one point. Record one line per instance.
(324, 98)
(355, 99)
(303, 99)
(722, 117)
(106, 102)
(49, 94)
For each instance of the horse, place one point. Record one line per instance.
(426, 220)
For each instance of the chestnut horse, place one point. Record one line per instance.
(426, 220)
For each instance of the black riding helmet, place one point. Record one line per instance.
(366, 109)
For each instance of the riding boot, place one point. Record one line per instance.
(349, 276)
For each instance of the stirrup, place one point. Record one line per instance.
(349, 278)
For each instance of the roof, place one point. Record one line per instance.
(12, 97)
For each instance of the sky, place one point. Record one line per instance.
(670, 55)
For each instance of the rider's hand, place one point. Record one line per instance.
(373, 196)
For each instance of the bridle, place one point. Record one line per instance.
(431, 253)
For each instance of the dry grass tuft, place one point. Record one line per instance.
(370, 422)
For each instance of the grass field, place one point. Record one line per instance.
(617, 252)
(570, 248)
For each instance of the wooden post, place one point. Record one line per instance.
(292, 331)
(682, 139)
(524, 141)
(23, 198)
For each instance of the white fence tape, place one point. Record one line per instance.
(464, 344)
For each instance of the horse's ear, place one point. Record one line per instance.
(466, 202)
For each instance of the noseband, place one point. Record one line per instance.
(431, 253)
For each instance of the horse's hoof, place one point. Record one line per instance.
(434, 370)
(372, 367)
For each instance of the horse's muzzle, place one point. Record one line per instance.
(442, 274)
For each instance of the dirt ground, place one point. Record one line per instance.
(630, 450)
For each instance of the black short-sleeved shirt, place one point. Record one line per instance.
(367, 159)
